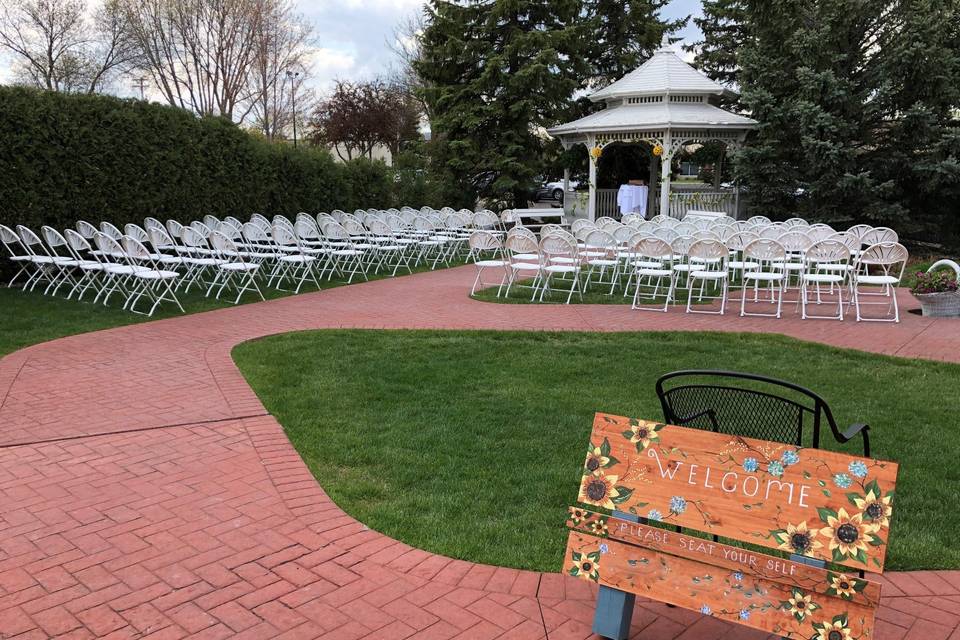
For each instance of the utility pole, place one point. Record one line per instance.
(140, 83)
(293, 75)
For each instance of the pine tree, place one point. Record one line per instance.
(624, 34)
(918, 145)
(496, 71)
(724, 34)
(808, 75)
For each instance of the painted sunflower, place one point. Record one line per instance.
(843, 585)
(586, 565)
(800, 605)
(835, 630)
(799, 539)
(578, 515)
(875, 509)
(642, 434)
(595, 460)
(598, 527)
(599, 490)
(848, 534)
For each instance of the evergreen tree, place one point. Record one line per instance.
(724, 34)
(496, 71)
(624, 33)
(808, 75)
(918, 142)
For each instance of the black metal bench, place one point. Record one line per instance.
(750, 405)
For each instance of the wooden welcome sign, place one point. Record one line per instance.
(807, 504)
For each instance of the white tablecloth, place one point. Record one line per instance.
(632, 199)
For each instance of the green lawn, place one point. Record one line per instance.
(29, 317)
(470, 444)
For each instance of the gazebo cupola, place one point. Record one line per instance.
(666, 103)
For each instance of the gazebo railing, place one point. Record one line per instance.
(607, 203)
(682, 202)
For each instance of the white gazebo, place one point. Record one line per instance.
(666, 103)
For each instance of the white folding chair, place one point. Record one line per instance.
(67, 265)
(709, 258)
(887, 261)
(602, 252)
(651, 269)
(16, 253)
(769, 257)
(825, 252)
(560, 256)
(485, 242)
(523, 258)
(150, 280)
(233, 268)
(45, 269)
(92, 270)
(297, 265)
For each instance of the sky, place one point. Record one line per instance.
(353, 36)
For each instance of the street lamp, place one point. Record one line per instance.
(293, 75)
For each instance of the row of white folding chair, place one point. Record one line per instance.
(116, 265)
(827, 262)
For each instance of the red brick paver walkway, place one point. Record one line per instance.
(145, 492)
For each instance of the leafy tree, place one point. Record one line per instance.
(495, 71)
(360, 115)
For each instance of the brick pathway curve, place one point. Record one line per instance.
(145, 492)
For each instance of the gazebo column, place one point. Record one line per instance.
(652, 188)
(665, 162)
(592, 203)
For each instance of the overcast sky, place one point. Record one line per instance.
(353, 36)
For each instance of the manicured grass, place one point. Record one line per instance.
(29, 317)
(470, 444)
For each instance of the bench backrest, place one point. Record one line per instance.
(745, 404)
(806, 506)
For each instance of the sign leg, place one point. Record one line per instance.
(614, 608)
(613, 614)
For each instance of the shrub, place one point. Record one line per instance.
(66, 157)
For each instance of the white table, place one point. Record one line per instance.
(518, 215)
(694, 214)
(632, 198)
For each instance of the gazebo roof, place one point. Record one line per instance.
(663, 73)
(663, 93)
(655, 115)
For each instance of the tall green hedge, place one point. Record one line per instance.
(68, 157)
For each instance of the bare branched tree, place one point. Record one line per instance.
(279, 69)
(406, 47)
(64, 45)
(198, 52)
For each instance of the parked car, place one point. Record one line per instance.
(554, 190)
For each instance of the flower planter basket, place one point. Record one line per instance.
(945, 304)
(941, 304)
